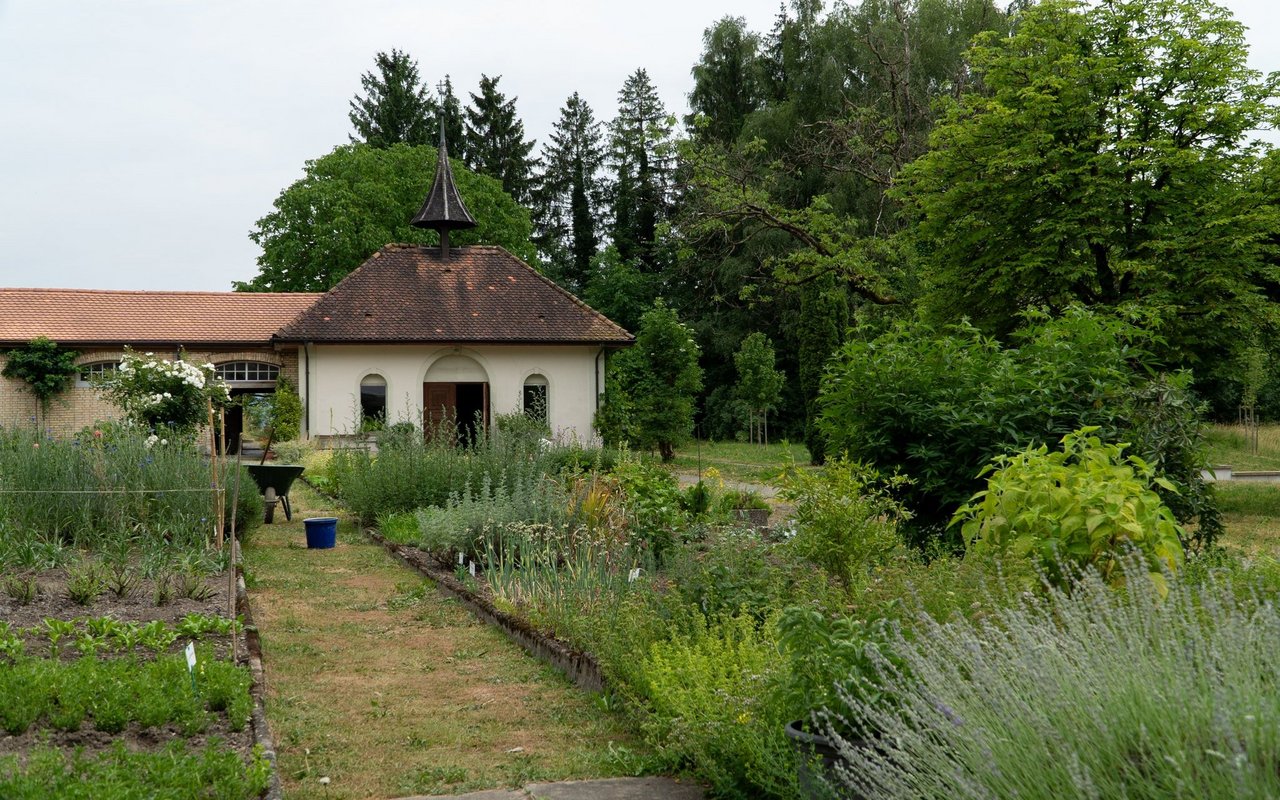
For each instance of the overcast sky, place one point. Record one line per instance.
(141, 139)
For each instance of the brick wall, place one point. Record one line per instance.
(81, 405)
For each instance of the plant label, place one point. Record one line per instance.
(633, 575)
(191, 657)
(459, 559)
(473, 568)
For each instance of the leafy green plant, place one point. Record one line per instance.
(845, 519)
(11, 645)
(285, 418)
(1086, 505)
(55, 630)
(44, 366)
(157, 636)
(827, 657)
(193, 585)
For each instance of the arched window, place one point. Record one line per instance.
(535, 398)
(96, 370)
(241, 372)
(373, 400)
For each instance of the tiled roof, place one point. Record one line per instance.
(70, 316)
(406, 293)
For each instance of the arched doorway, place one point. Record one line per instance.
(252, 385)
(455, 394)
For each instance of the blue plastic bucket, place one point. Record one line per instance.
(322, 532)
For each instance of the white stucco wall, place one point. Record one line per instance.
(330, 381)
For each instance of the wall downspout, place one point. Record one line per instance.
(306, 407)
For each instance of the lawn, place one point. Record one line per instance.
(387, 688)
(739, 461)
(1233, 445)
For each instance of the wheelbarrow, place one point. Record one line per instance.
(274, 481)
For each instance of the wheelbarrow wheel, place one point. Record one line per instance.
(268, 505)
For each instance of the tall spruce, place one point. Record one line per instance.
(571, 194)
(395, 106)
(643, 160)
(728, 81)
(495, 143)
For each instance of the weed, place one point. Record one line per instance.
(84, 583)
(193, 585)
(56, 630)
(163, 592)
(22, 588)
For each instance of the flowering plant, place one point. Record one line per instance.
(158, 393)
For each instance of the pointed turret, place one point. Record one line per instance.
(444, 209)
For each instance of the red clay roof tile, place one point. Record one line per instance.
(406, 293)
(97, 316)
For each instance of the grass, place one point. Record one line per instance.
(739, 461)
(388, 689)
(1232, 445)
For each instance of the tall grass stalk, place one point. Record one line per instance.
(1093, 693)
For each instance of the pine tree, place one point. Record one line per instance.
(395, 107)
(571, 194)
(727, 79)
(641, 144)
(495, 143)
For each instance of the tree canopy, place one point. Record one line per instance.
(495, 143)
(358, 198)
(1104, 157)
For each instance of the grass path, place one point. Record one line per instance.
(387, 688)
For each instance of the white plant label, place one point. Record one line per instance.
(473, 569)
(459, 559)
(633, 575)
(191, 656)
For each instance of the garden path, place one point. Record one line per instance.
(380, 684)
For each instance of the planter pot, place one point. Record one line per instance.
(816, 758)
(322, 532)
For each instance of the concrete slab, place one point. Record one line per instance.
(617, 789)
(487, 794)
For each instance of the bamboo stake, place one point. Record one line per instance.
(213, 470)
(235, 556)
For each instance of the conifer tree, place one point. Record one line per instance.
(571, 198)
(395, 107)
(495, 143)
(642, 158)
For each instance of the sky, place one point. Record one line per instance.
(140, 140)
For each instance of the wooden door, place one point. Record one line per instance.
(439, 403)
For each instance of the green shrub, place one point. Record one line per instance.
(936, 405)
(845, 520)
(285, 418)
(709, 695)
(1083, 506)
(1087, 693)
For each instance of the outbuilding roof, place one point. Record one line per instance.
(98, 316)
(478, 294)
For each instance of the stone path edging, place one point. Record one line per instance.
(261, 732)
(580, 667)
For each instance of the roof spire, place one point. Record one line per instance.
(443, 209)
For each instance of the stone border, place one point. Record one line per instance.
(261, 733)
(580, 667)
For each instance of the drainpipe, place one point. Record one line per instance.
(306, 407)
(599, 355)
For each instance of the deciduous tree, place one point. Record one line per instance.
(358, 198)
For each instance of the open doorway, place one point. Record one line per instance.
(461, 408)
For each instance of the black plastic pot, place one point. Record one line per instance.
(816, 759)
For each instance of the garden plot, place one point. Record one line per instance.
(120, 661)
